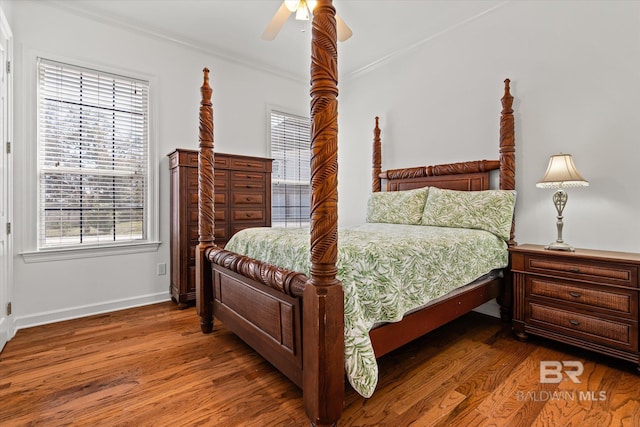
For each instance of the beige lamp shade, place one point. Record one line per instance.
(562, 173)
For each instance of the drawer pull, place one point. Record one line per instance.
(249, 186)
(575, 294)
(249, 199)
(574, 270)
(574, 322)
(249, 214)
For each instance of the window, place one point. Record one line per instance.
(290, 185)
(93, 150)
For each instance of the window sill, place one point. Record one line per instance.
(88, 252)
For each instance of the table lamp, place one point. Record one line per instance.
(561, 173)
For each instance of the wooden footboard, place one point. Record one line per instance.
(262, 304)
(266, 319)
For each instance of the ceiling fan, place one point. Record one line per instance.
(303, 10)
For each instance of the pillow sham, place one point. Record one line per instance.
(397, 207)
(489, 210)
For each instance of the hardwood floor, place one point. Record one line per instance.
(151, 366)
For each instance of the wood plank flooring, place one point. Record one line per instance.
(151, 366)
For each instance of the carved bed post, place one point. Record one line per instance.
(507, 182)
(206, 237)
(507, 147)
(376, 182)
(323, 300)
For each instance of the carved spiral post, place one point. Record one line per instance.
(376, 185)
(206, 238)
(507, 146)
(507, 182)
(323, 301)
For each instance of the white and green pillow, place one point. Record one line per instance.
(397, 207)
(489, 210)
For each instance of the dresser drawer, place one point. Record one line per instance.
(247, 176)
(192, 179)
(192, 217)
(221, 179)
(247, 214)
(242, 163)
(614, 301)
(220, 216)
(192, 200)
(220, 198)
(248, 199)
(220, 232)
(588, 270)
(220, 161)
(248, 185)
(620, 334)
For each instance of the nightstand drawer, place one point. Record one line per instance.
(614, 301)
(621, 334)
(592, 271)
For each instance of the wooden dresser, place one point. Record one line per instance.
(587, 298)
(242, 200)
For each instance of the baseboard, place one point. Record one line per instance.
(44, 318)
(7, 331)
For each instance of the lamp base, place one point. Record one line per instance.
(560, 246)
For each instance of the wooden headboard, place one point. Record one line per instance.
(463, 176)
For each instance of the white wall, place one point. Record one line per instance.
(49, 291)
(575, 72)
(7, 9)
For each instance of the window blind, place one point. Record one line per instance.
(92, 156)
(291, 153)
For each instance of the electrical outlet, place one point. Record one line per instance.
(161, 268)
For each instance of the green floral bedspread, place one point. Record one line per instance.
(386, 270)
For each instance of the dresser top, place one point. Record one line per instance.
(594, 254)
(195, 152)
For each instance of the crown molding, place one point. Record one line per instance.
(208, 49)
(415, 46)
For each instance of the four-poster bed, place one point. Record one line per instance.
(296, 320)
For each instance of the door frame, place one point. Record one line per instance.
(7, 324)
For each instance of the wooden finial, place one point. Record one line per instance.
(507, 99)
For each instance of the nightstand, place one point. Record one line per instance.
(586, 298)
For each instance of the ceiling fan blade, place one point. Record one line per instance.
(344, 32)
(276, 23)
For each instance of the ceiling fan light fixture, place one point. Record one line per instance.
(302, 14)
(292, 5)
(303, 9)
